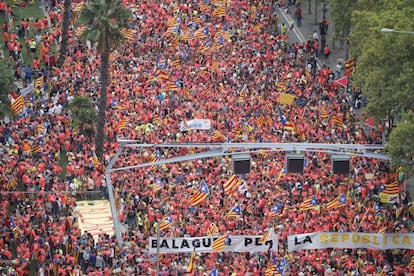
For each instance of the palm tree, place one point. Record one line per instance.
(65, 28)
(84, 114)
(6, 86)
(105, 19)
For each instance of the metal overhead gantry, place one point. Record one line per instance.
(228, 149)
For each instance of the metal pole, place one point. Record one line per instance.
(114, 212)
(158, 249)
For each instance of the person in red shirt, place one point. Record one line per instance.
(3, 7)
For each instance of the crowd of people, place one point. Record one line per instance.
(226, 61)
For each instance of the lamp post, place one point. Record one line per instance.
(385, 30)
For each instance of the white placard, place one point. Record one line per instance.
(350, 240)
(204, 244)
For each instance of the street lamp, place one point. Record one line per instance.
(385, 30)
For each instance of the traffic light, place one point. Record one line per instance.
(241, 163)
(294, 163)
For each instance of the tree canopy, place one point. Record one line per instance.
(384, 69)
(105, 21)
(6, 86)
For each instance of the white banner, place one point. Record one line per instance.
(199, 124)
(350, 240)
(27, 90)
(204, 244)
(386, 198)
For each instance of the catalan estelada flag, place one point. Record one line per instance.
(339, 201)
(234, 213)
(220, 243)
(286, 123)
(390, 189)
(200, 195)
(309, 203)
(166, 223)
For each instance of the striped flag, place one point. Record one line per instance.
(156, 119)
(234, 213)
(281, 86)
(153, 160)
(166, 223)
(78, 7)
(200, 195)
(200, 34)
(36, 149)
(324, 112)
(12, 184)
(270, 270)
(218, 136)
(129, 34)
(267, 236)
(337, 120)
(237, 131)
(17, 231)
(192, 264)
(233, 182)
(309, 203)
(122, 124)
(157, 185)
(286, 123)
(172, 21)
(80, 30)
(220, 11)
(17, 104)
(96, 163)
(411, 264)
(382, 230)
(212, 230)
(390, 189)
(260, 118)
(39, 82)
(40, 128)
(339, 201)
(220, 243)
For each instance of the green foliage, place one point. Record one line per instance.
(105, 20)
(400, 147)
(6, 86)
(384, 60)
(83, 111)
(340, 15)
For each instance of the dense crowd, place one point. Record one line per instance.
(230, 68)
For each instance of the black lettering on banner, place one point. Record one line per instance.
(257, 241)
(206, 242)
(185, 244)
(164, 244)
(307, 239)
(154, 243)
(174, 245)
(247, 241)
(196, 243)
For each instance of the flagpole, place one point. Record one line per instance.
(158, 249)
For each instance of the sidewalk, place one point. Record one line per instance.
(308, 27)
